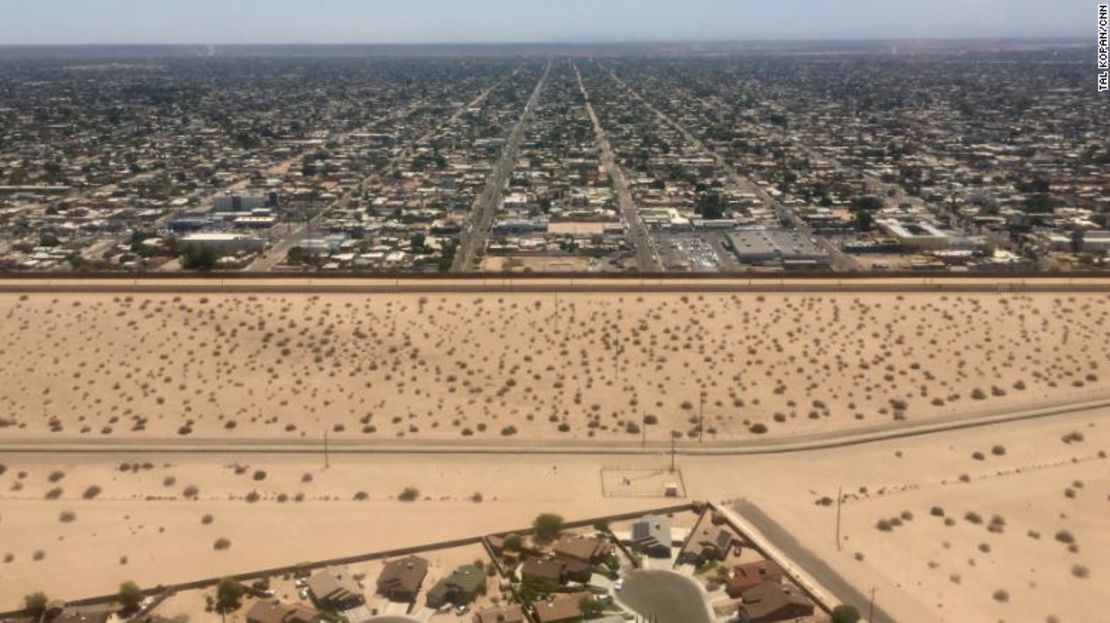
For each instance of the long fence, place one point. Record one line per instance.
(549, 283)
(349, 560)
(792, 275)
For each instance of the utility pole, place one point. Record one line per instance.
(871, 608)
(672, 454)
(643, 431)
(327, 460)
(839, 499)
(701, 417)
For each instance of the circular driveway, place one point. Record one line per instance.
(666, 596)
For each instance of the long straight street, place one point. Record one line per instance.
(647, 257)
(476, 232)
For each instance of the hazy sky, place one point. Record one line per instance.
(465, 21)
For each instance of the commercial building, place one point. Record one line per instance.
(221, 243)
(786, 248)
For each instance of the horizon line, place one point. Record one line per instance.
(977, 38)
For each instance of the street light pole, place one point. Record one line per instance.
(701, 417)
(839, 499)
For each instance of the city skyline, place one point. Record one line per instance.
(541, 21)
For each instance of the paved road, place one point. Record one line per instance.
(796, 445)
(277, 253)
(814, 565)
(647, 256)
(476, 232)
(665, 597)
(840, 260)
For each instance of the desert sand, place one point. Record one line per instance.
(138, 527)
(401, 368)
(571, 367)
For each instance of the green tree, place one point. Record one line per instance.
(228, 593)
(513, 542)
(296, 255)
(864, 220)
(130, 596)
(869, 203)
(711, 206)
(548, 526)
(1040, 203)
(35, 603)
(199, 259)
(534, 589)
(845, 614)
(448, 256)
(591, 607)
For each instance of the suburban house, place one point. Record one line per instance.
(97, 614)
(586, 549)
(507, 614)
(561, 608)
(771, 602)
(461, 587)
(706, 543)
(750, 575)
(543, 569)
(554, 569)
(652, 536)
(401, 579)
(334, 588)
(273, 611)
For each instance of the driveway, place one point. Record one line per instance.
(665, 596)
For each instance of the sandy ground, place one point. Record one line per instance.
(387, 362)
(538, 367)
(923, 570)
(926, 570)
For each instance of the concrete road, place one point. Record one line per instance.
(665, 597)
(814, 566)
(278, 252)
(476, 231)
(798, 444)
(647, 256)
(840, 260)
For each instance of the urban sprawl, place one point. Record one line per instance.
(879, 160)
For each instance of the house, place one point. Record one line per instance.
(84, 615)
(771, 602)
(577, 571)
(544, 569)
(334, 588)
(585, 549)
(652, 536)
(273, 611)
(401, 579)
(749, 575)
(461, 587)
(508, 614)
(705, 544)
(561, 608)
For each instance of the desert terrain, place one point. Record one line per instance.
(1001, 523)
(139, 527)
(570, 367)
